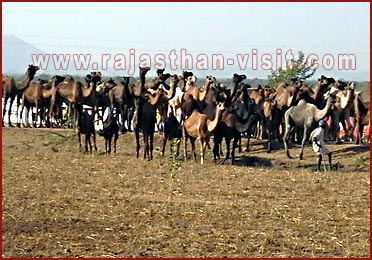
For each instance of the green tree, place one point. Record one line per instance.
(298, 70)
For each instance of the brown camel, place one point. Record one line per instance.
(304, 115)
(38, 95)
(194, 94)
(32, 97)
(362, 107)
(145, 121)
(74, 92)
(12, 89)
(198, 126)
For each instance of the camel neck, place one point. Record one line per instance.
(25, 80)
(213, 124)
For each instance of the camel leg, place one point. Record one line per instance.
(21, 115)
(79, 138)
(115, 141)
(151, 144)
(89, 142)
(185, 149)
(240, 144)
(4, 110)
(86, 143)
(287, 134)
(136, 133)
(10, 111)
(109, 144)
(304, 138)
(235, 144)
(192, 141)
(122, 114)
(216, 154)
(178, 147)
(248, 139)
(203, 146)
(36, 116)
(94, 140)
(228, 141)
(164, 144)
(146, 141)
(18, 105)
(269, 139)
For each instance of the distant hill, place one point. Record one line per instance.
(16, 54)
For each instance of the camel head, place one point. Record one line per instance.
(325, 82)
(191, 80)
(174, 79)
(220, 106)
(209, 80)
(351, 85)
(186, 74)
(160, 72)
(143, 71)
(125, 80)
(31, 70)
(340, 85)
(238, 78)
(164, 77)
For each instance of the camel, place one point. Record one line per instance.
(38, 95)
(74, 92)
(85, 124)
(194, 94)
(236, 80)
(141, 87)
(198, 126)
(116, 94)
(361, 106)
(230, 127)
(32, 97)
(304, 115)
(12, 89)
(342, 111)
(145, 122)
(175, 95)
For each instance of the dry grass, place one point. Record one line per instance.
(58, 202)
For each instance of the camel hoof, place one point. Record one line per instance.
(246, 150)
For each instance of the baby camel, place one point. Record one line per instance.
(198, 126)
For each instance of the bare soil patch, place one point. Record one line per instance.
(59, 202)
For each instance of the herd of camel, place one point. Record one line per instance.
(180, 107)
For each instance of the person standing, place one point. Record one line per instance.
(317, 139)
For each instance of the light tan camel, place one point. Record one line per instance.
(304, 115)
(198, 126)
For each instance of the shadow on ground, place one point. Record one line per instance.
(252, 161)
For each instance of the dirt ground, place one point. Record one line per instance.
(60, 202)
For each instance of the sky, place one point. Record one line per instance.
(224, 28)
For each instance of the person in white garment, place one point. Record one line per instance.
(317, 139)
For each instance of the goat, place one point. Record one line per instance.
(110, 129)
(172, 130)
(86, 127)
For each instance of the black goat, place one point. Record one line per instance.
(110, 129)
(86, 127)
(172, 130)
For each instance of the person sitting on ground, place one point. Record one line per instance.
(317, 138)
